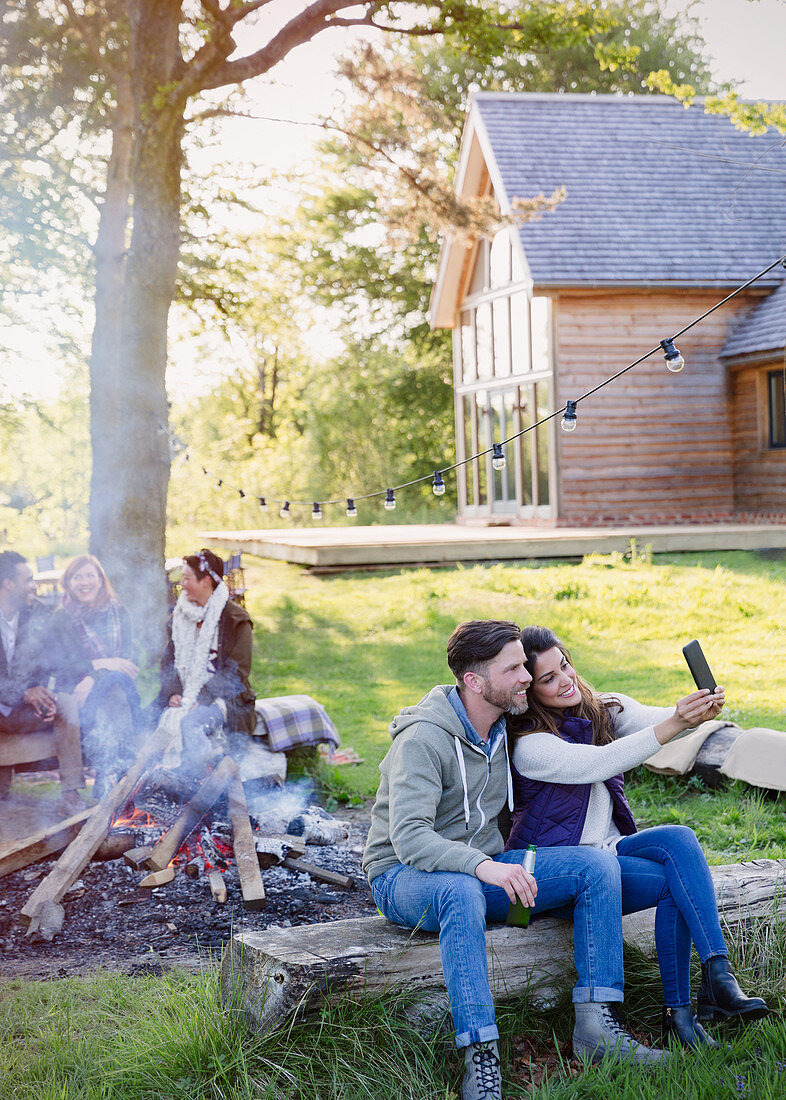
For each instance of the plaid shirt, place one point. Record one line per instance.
(287, 721)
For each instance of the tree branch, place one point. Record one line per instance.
(299, 30)
(90, 42)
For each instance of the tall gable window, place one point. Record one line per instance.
(503, 372)
(776, 407)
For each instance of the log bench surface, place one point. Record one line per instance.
(268, 975)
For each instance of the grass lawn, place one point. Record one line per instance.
(364, 645)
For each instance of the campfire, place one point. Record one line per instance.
(207, 833)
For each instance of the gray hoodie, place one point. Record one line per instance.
(439, 796)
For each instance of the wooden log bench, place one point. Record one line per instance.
(268, 975)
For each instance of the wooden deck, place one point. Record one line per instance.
(329, 549)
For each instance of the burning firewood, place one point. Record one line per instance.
(245, 853)
(213, 787)
(40, 912)
(115, 845)
(321, 874)
(158, 878)
(136, 857)
(217, 887)
(272, 850)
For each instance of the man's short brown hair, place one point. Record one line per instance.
(473, 644)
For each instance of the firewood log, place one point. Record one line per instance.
(47, 895)
(211, 789)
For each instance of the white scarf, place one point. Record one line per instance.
(193, 643)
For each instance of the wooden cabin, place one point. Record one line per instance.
(666, 211)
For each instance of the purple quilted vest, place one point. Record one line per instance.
(548, 814)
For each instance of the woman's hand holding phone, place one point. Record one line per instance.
(700, 706)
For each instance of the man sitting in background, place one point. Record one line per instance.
(33, 661)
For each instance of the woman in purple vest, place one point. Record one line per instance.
(569, 753)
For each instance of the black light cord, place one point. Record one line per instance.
(390, 491)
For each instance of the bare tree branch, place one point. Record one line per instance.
(90, 42)
(299, 30)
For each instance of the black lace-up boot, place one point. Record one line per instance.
(720, 996)
(482, 1079)
(683, 1025)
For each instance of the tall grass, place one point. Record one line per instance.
(120, 1038)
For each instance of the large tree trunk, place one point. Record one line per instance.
(128, 510)
(110, 263)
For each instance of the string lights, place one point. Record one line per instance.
(569, 417)
(674, 362)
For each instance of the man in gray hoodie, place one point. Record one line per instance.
(435, 859)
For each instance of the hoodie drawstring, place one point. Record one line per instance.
(510, 774)
(463, 771)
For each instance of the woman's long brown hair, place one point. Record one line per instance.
(537, 640)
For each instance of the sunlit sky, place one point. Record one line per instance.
(745, 37)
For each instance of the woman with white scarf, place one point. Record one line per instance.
(207, 661)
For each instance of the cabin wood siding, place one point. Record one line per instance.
(759, 472)
(651, 446)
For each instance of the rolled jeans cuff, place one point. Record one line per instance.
(599, 994)
(482, 1035)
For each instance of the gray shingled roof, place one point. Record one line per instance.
(763, 329)
(639, 211)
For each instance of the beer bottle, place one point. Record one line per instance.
(518, 913)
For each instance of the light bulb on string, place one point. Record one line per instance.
(390, 500)
(316, 511)
(351, 509)
(569, 417)
(498, 458)
(674, 360)
(241, 494)
(219, 483)
(285, 513)
(262, 504)
(438, 484)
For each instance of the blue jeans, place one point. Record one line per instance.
(665, 867)
(585, 880)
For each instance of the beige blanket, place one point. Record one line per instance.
(758, 757)
(679, 756)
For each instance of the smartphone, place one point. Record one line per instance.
(697, 663)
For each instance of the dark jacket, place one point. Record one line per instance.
(229, 681)
(550, 814)
(45, 648)
(65, 623)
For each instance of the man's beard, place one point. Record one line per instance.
(508, 702)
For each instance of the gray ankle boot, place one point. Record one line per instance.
(598, 1033)
(482, 1079)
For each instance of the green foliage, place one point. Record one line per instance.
(45, 473)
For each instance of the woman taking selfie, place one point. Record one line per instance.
(569, 753)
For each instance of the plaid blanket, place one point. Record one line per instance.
(287, 721)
